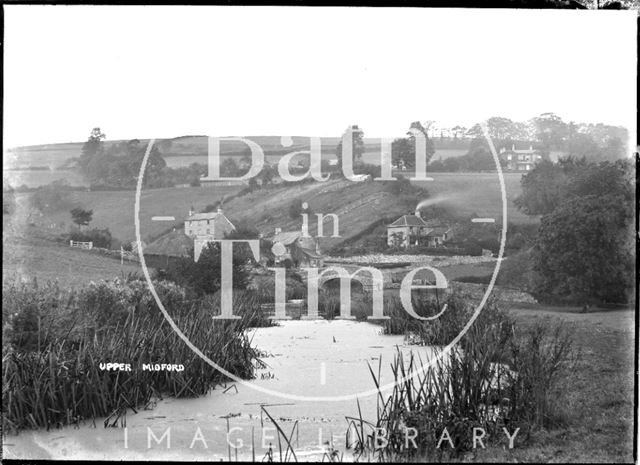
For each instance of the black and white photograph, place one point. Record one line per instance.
(320, 234)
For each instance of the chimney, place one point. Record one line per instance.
(417, 213)
(278, 231)
(219, 211)
(191, 212)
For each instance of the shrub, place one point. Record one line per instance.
(295, 209)
(204, 276)
(53, 197)
(474, 279)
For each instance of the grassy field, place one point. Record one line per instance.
(115, 209)
(50, 261)
(598, 414)
(467, 193)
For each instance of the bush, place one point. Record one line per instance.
(53, 197)
(204, 276)
(474, 279)
(295, 209)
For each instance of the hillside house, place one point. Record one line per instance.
(407, 231)
(412, 230)
(221, 183)
(438, 235)
(294, 246)
(520, 160)
(206, 227)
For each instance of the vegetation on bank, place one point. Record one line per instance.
(498, 377)
(54, 341)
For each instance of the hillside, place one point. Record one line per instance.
(360, 205)
(184, 150)
(357, 205)
(115, 209)
(45, 260)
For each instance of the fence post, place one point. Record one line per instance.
(70, 243)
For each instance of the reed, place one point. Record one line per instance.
(55, 340)
(497, 376)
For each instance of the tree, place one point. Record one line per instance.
(267, 175)
(543, 188)
(403, 150)
(295, 209)
(357, 143)
(550, 130)
(119, 166)
(228, 167)
(81, 217)
(583, 145)
(585, 247)
(92, 147)
(584, 250)
(52, 197)
(204, 276)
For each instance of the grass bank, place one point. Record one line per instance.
(55, 340)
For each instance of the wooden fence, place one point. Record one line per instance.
(81, 245)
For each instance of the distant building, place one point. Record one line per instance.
(406, 231)
(520, 160)
(438, 235)
(411, 230)
(302, 251)
(204, 228)
(234, 182)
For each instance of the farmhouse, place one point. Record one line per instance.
(412, 230)
(206, 227)
(221, 183)
(213, 225)
(520, 160)
(438, 235)
(406, 231)
(300, 250)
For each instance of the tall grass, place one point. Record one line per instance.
(497, 376)
(54, 341)
(439, 331)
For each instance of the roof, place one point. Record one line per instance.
(204, 216)
(439, 230)
(408, 220)
(215, 216)
(310, 253)
(287, 237)
(174, 243)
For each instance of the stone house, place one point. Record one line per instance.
(520, 160)
(412, 230)
(206, 227)
(302, 251)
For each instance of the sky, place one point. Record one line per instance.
(143, 72)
